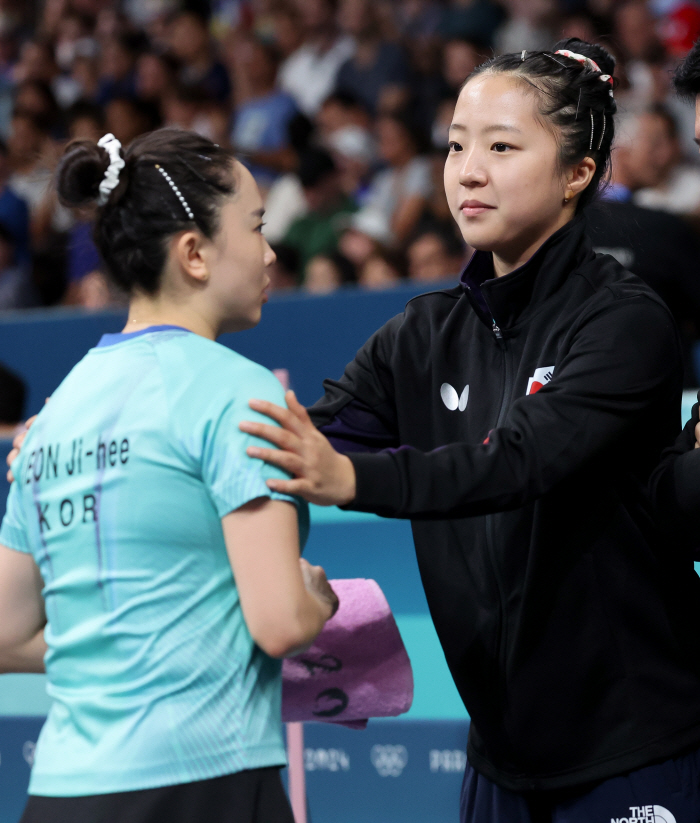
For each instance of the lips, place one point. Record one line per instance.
(469, 208)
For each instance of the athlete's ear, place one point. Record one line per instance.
(580, 175)
(188, 251)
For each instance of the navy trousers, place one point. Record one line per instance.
(666, 792)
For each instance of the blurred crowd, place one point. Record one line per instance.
(340, 108)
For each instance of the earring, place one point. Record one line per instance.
(569, 196)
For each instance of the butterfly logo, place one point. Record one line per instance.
(451, 399)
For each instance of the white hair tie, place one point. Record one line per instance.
(116, 163)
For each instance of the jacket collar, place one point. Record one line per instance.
(506, 299)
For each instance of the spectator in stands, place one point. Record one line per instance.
(329, 209)
(326, 272)
(36, 98)
(262, 113)
(382, 270)
(191, 44)
(642, 154)
(14, 213)
(284, 272)
(309, 73)
(118, 68)
(460, 56)
(679, 188)
(435, 255)
(16, 291)
(378, 72)
(398, 193)
(155, 77)
(128, 117)
(85, 121)
(12, 397)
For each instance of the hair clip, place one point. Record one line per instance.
(177, 191)
(522, 55)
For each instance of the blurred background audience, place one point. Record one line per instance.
(340, 108)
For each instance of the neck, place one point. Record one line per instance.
(155, 311)
(507, 260)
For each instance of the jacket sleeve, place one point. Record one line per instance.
(675, 486)
(622, 362)
(358, 413)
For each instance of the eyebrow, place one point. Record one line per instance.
(495, 127)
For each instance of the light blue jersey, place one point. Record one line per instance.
(119, 492)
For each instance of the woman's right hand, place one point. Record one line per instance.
(317, 584)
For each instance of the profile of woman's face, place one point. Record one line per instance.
(239, 255)
(503, 182)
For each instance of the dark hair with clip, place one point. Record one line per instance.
(572, 97)
(146, 208)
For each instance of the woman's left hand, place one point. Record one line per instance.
(321, 474)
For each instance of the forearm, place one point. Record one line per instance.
(24, 657)
(311, 619)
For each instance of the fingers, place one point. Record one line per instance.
(283, 416)
(286, 460)
(274, 434)
(297, 409)
(295, 488)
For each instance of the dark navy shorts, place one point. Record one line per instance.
(666, 792)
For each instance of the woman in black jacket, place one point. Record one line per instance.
(515, 419)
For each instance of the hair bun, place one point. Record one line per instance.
(80, 172)
(596, 53)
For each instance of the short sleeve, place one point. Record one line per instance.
(13, 532)
(231, 476)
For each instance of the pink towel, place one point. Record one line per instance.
(357, 667)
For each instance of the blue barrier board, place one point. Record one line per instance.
(396, 771)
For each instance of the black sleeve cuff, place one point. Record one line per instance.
(378, 484)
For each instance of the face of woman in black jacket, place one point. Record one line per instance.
(529, 144)
(505, 185)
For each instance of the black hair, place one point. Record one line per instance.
(12, 396)
(686, 79)
(144, 210)
(573, 97)
(315, 165)
(85, 109)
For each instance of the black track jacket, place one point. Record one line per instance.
(516, 423)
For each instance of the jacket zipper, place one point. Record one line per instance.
(501, 633)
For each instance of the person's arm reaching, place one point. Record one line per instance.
(616, 368)
(285, 601)
(22, 617)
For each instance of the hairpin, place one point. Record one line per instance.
(178, 194)
(600, 142)
(590, 148)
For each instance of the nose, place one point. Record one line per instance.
(472, 172)
(269, 255)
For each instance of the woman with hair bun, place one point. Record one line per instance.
(143, 559)
(515, 420)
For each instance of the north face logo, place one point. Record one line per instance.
(540, 378)
(646, 814)
(451, 399)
